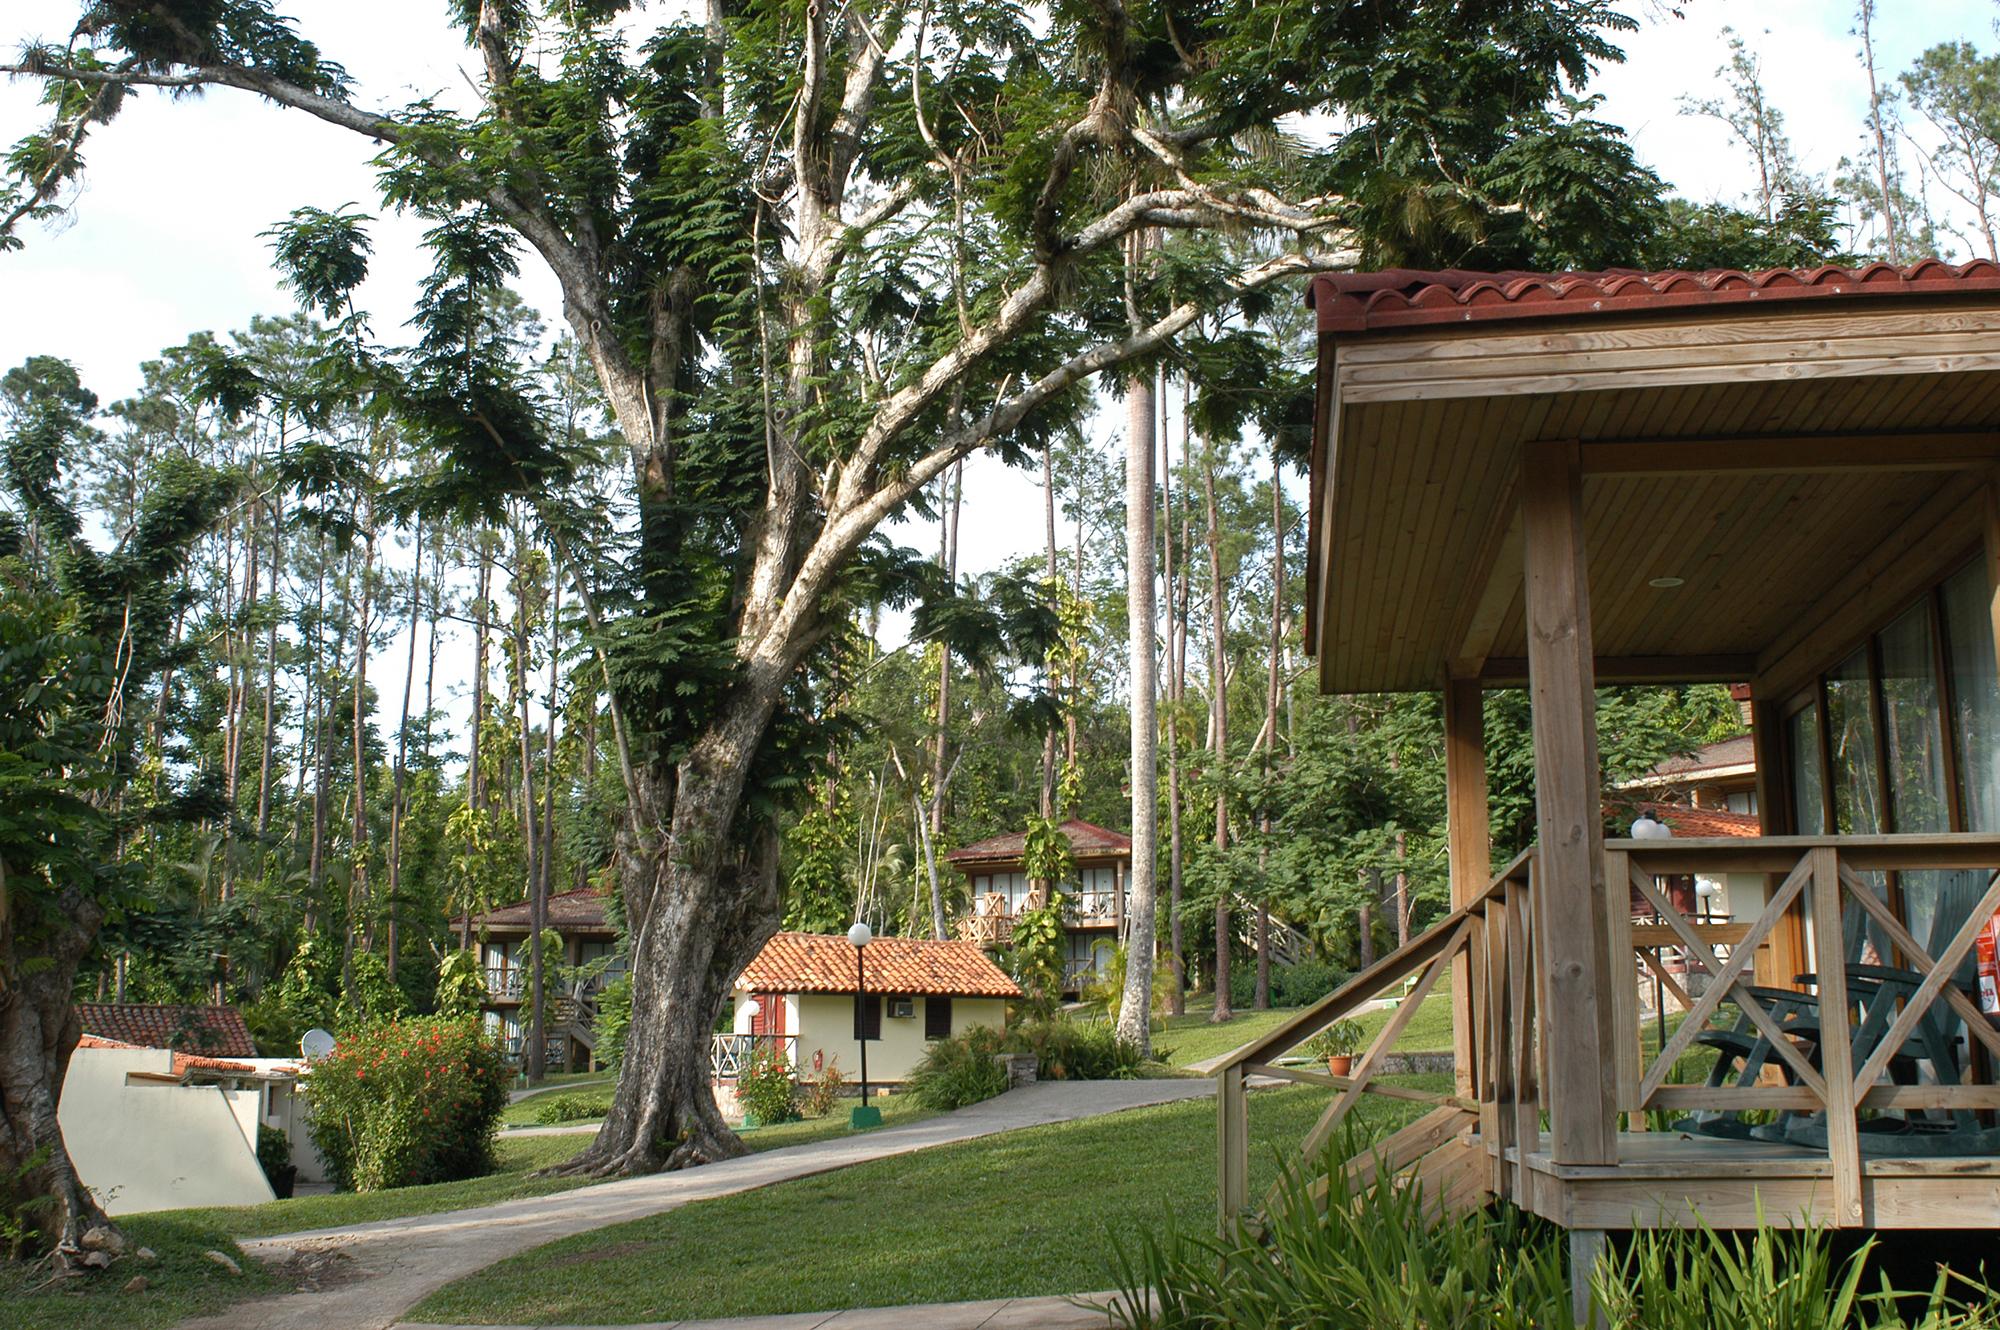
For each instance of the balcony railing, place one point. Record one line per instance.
(991, 923)
(505, 983)
(729, 1054)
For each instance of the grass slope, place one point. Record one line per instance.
(1190, 1039)
(1038, 1211)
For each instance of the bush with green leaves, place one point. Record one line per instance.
(555, 1109)
(401, 1103)
(1379, 1257)
(614, 1017)
(960, 1070)
(1072, 1050)
(764, 1088)
(823, 1090)
(1297, 985)
(274, 1152)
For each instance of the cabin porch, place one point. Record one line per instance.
(1786, 480)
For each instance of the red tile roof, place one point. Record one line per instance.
(1087, 840)
(813, 963)
(1350, 303)
(209, 1030)
(185, 1063)
(1696, 822)
(581, 911)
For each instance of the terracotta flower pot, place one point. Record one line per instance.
(1340, 1064)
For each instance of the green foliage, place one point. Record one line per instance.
(822, 1092)
(408, 1102)
(764, 1087)
(274, 1152)
(959, 1070)
(1046, 854)
(614, 1018)
(1377, 1256)
(1036, 958)
(461, 984)
(1338, 1040)
(370, 995)
(1071, 1050)
(553, 1110)
(1371, 1259)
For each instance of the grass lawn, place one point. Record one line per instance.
(521, 1113)
(180, 1284)
(1190, 1039)
(1039, 1211)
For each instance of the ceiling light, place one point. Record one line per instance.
(1666, 583)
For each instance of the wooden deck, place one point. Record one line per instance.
(1662, 1178)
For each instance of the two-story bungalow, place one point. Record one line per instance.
(996, 872)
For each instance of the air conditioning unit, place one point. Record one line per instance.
(902, 1008)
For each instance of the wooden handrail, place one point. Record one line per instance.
(1780, 854)
(1405, 960)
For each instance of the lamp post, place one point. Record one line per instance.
(866, 1115)
(1649, 827)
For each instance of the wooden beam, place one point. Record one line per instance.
(1319, 502)
(1794, 454)
(1843, 1131)
(1942, 532)
(1496, 572)
(1512, 671)
(1572, 924)
(1989, 533)
(1469, 850)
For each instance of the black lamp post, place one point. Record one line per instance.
(866, 1115)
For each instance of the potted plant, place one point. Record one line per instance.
(274, 1153)
(1337, 1043)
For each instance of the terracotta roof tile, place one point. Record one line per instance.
(814, 963)
(184, 1063)
(582, 910)
(1693, 822)
(210, 1030)
(1086, 840)
(1352, 303)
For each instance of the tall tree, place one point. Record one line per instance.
(1135, 1010)
(733, 211)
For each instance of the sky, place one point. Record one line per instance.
(165, 238)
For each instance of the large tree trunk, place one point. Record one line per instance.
(700, 901)
(934, 815)
(39, 1029)
(537, 903)
(397, 811)
(1135, 1010)
(1049, 739)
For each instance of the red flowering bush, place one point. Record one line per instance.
(408, 1102)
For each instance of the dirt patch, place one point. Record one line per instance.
(310, 1269)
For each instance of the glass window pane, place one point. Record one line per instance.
(1808, 795)
(1912, 708)
(1850, 723)
(1975, 695)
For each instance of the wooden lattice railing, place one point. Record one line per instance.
(1868, 1029)
(1487, 944)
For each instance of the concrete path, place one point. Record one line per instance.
(388, 1267)
(602, 1083)
(1084, 1312)
(566, 1129)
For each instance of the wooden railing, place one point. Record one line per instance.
(729, 1054)
(1896, 1011)
(1489, 944)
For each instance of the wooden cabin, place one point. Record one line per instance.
(1788, 478)
(1000, 891)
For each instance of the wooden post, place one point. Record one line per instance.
(1572, 920)
(1992, 534)
(1232, 1135)
(1843, 1141)
(1785, 959)
(1469, 844)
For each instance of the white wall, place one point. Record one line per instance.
(154, 1146)
(825, 1026)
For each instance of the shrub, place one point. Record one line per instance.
(959, 1071)
(554, 1109)
(614, 1017)
(823, 1090)
(1379, 1257)
(274, 1152)
(1068, 1050)
(407, 1102)
(764, 1087)
(1298, 985)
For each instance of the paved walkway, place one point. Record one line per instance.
(398, 1262)
(1086, 1312)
